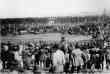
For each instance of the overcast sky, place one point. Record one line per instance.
(41, 8)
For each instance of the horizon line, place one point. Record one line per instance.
(81, 14)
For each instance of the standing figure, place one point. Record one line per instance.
(4, 55)
(77, 60)
(58, 61)
(107, 56)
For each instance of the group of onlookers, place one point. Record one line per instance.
(59, 57)
(38, 29)
(82, 28)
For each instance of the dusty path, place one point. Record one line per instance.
(48, 37)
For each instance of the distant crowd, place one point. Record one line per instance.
(34, 28)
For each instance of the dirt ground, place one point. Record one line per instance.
(29, 72)
(47, 37)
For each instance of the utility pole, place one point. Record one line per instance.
(104, 15)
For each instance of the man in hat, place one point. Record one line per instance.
(62, 39)
(107, 57)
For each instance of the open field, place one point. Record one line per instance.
(47, 37)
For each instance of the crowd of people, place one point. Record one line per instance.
(54, 57)
(36, 29)
(93, 29)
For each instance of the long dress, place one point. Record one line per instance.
(58, 61)
(1, 67)
(19, 59)
(77, 59)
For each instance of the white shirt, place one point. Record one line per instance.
(58, 58)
